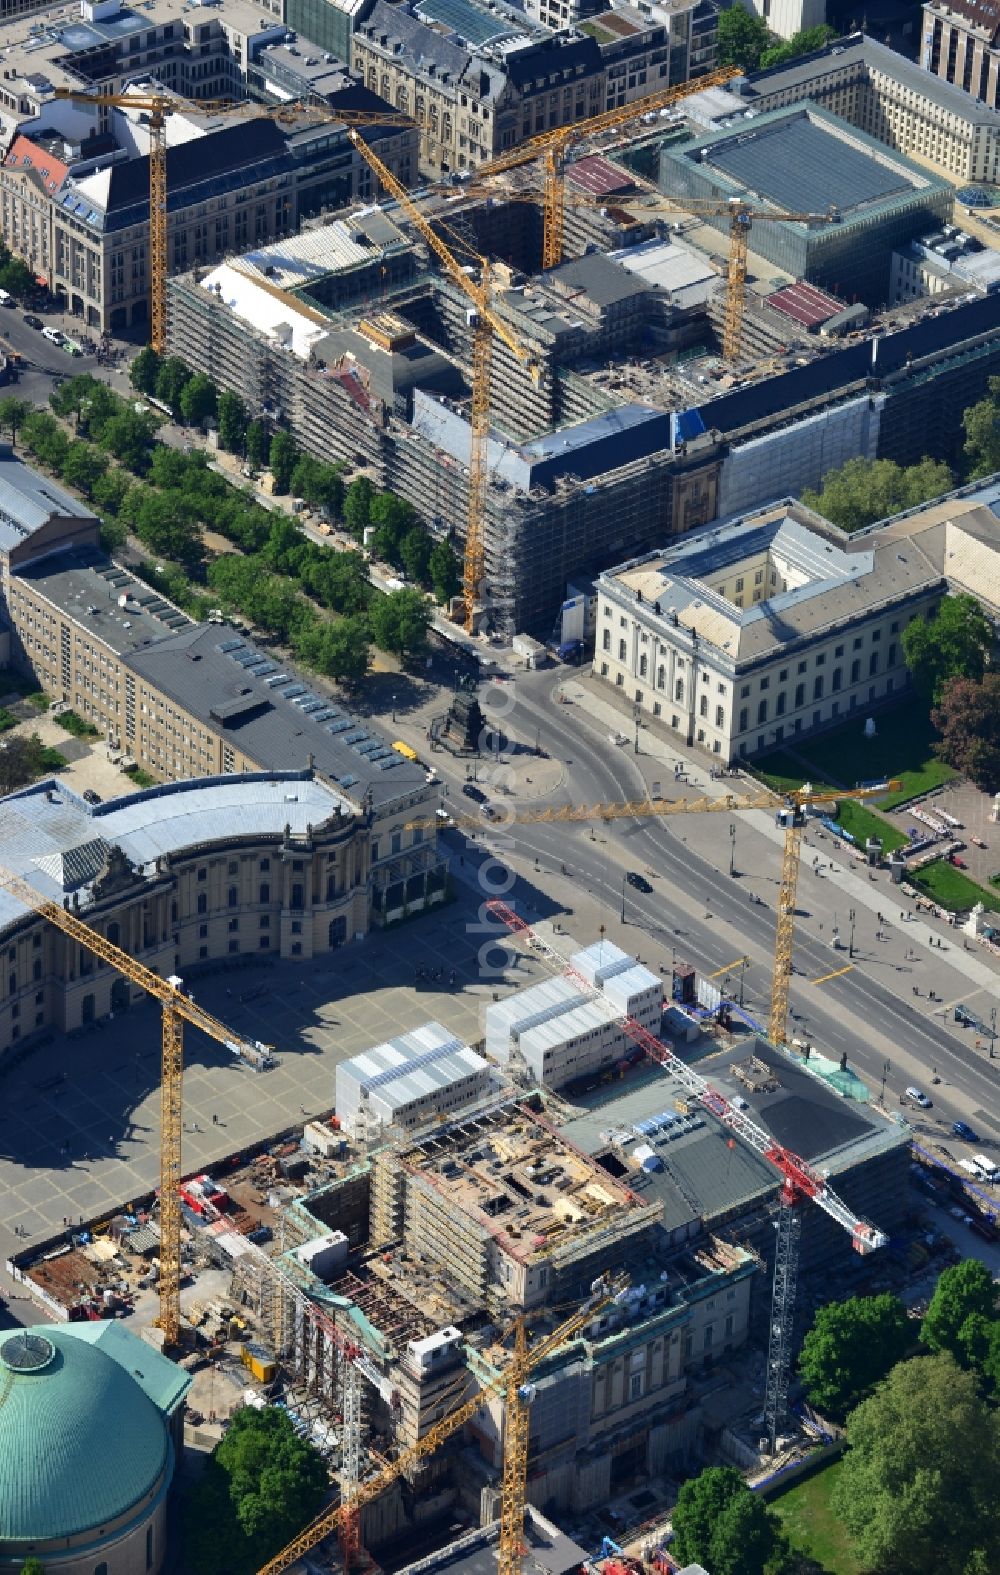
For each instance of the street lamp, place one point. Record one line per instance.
(886, 1069)
(623, 897)
(744, 965)
(394, 708)
(636, 714)
(993, 1030)
(732, 849)
(850, 949)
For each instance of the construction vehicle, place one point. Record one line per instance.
(157, 107)
(789, 812)
(512, 1383)
(485, 323)
(799, 1179)
(177, 1009)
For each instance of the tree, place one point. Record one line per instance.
(742, 38)
(982, 432)
(964, 1291)
(111, 489)
(281, 459)
(415, 551)
(170, 380)
(340, 650)
(17, 278)
(400, 621)
(261, 1485)
(129, 436)
(802, 43)
(199, 400)
(866, 490)
(851, 1346)
(357, 506)
(917, 1488)
(83, 467)
(955, 643)
(13, 414)
(22, 760)
(32, 1566)
(444, 570)
(968, 720)
(232, 422)
(164, 522)
(718, 1522)
(145, 370)
(46, 439)
(256, 444)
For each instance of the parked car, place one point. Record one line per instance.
(475, 793)
(962, 1129)
(638, 881)
(919, 1098)
(33, 321)
(91, 797)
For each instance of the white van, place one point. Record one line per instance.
(6, 299)
(55, 336)
(985, 1167)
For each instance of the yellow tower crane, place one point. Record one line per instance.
(790, 812)
(741, 214)
(485, 323)
(511, 1382)
(552, 147)
(157, 107)
(178, 1009)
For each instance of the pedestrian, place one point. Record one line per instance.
(215, 1119)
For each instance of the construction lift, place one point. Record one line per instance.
(157, 107)
(512, 1383)
(799, 1179)
(485, 323)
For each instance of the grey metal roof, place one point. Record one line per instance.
(28, 500)
(424, 1061)
(266, 710)
(599, 277)
(796, 164)
(58, 843)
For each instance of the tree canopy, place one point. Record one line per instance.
(917, 1488)
(400, 621)
(262, 1484)
(742, 38)
(199, 400)
(962, 1291)
(968, 719)
(145, 370)
(982, 432)
(444, 570)
(866, 490)
(232, 422)
(719, 1523)
(954, 643)
(851, 1346)
(801, 43)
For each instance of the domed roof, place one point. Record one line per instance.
(80, 1443)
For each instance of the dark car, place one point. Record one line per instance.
(639, 882)
(475, 793)
(962, 1130)
(91, 797)
(33, 321)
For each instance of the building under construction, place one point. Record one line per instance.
(633, 431)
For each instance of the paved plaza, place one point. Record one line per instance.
(79, 1116)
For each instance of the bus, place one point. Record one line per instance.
(406, 752)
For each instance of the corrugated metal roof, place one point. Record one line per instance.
(598, 176)
(426, 1060)
(804, 304)
(28, 500)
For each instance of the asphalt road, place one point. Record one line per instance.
(44, 361)
(701, 914)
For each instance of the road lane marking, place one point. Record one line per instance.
(834, 975)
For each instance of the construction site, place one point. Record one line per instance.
(661, 364)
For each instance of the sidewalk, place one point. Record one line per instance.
(877, 896)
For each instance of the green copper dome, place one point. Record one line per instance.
(80, 1443)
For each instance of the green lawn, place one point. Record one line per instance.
(782, 772)
(862, 823)
(901, 748)
(142, 779)
(811, 1525)
(7, 719)
(953, 890)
